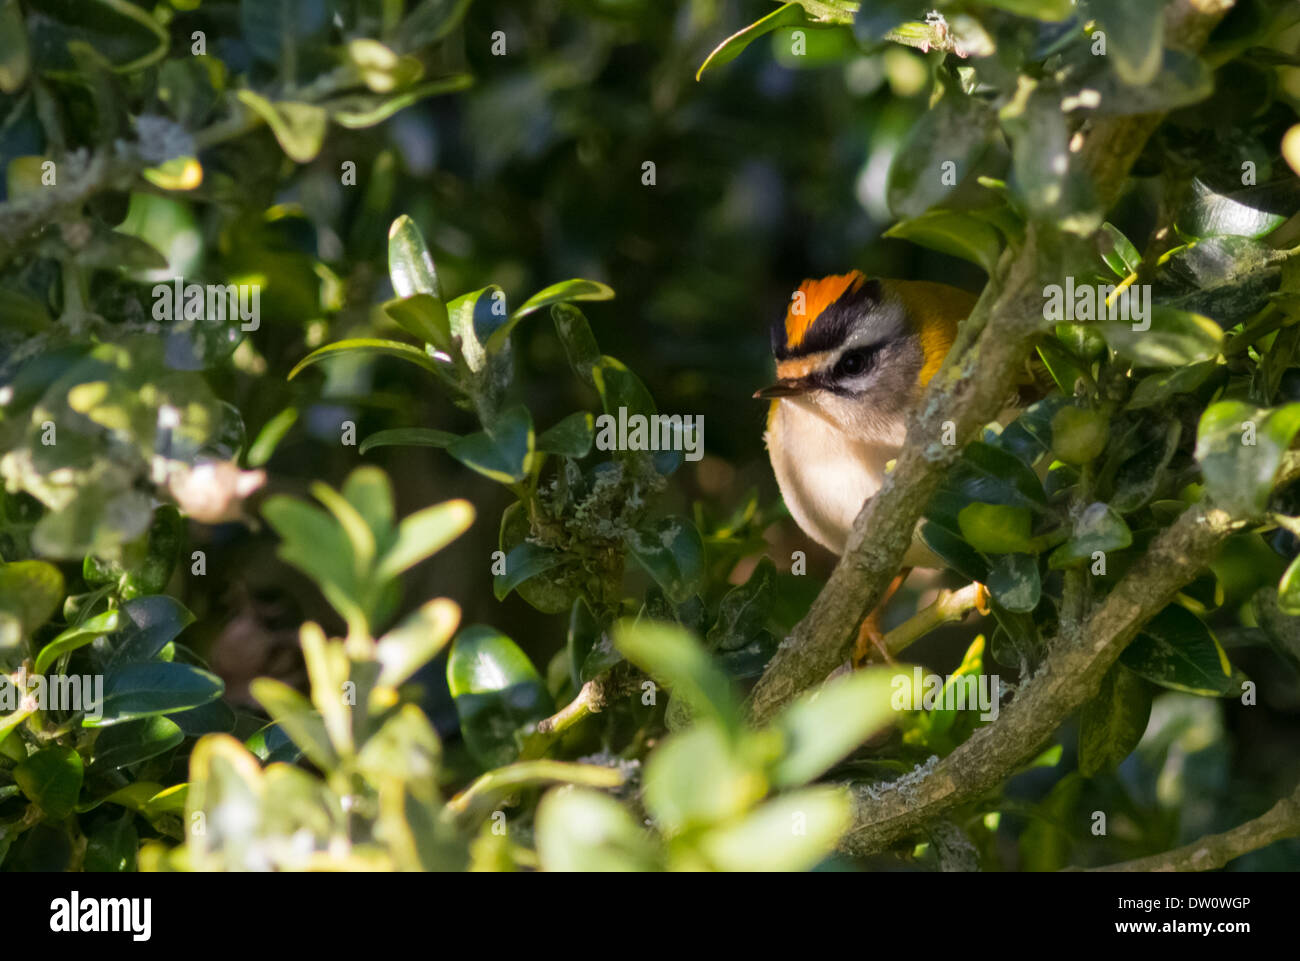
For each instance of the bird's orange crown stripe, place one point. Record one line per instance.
(817, 296)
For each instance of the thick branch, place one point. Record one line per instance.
(1065, 682)
(1280, 821)
(968, 392)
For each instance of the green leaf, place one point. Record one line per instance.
(1098, 528)
(30, 592)
(958, 129)
(1049, 10)
(74, 637)
(583, 830)
(365, 346)
(269, 437)
(954, 552)
(1046, 840)
(497, 691)
(1135, 33)
(1248, 212)
(1156, 389)
(996, 528)
(424, 316)
(953, 232)
(1175, 338)
(579, 342)
(787, 15)
(299, 127)
(295, 715)
(149, 625)
(1118, 251)
(1288, 589)
(820, 729)
(673, 554)
(475, 317)
(744, 610)
(791, 833)
(503, 452)
(619, 387)
(408, 437)
(423, 534)
(111, 846)
(669, 654)
(1013, 580)
(1176, 650)
(157, 687)
(314, 543)
(359, 111)
(695, 779)
(1240, 448)
(51, 779)
(571, 437)
(369, 493)
(410, 265)
(130, 743)
(416, 641)
(525, 561)
(15, 57)
(563, 292)
(1113, 722)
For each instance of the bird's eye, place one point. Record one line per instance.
(852, 363)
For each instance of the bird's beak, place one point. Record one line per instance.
(783, 388)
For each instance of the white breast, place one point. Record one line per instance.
(824, 474)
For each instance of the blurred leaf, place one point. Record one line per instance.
(1113, 722)
(959, 130)
(1050, 10)
(791, 833)
(359, 111)
(408, 437)
(299, 127)
(1155, 389)
(822, 728)
(1118, 251)
(583, 830)
(744, 610)
(1175, 338)
(416, 641)
(423, 534)
(424, 316)
(295, 715)
(670, 655)
(1134, 32)
(694, 780)
(1240, 448)
(1013, 579)
(15, 58)
(51, 779)
(1176, 650)
(30, 592)
(497, 691)
(1045, 842)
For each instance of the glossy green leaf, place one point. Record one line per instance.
(498, 694)
(367, 346)
(571, 437)
(1176, 650)
(1247, 212)
(111, 846)
(525, 561)
(504, 452)
(51, 779)
(787, 15)
(673, 554)
(1097, 528)
(1118, 251)
(996, 528)
(424, 316)
(142, 690)
(584, 830)
(148, 625)
(408, 437)
(1240, 448)
(953, 232)
(410, 265)
(579, 342)
(134, 741)
(822, 728)
(1014, 581)
(563, 292)
(75, 637)
(619, 388)
(1113, 722)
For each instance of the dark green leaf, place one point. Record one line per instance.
(142, 690)
(497, 691)
(1176, 650)
(1240, 448)
(1113, 722)
(51, 779)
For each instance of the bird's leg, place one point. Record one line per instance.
(870, 634)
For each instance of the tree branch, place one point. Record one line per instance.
(1068, 678)
(1280, 821)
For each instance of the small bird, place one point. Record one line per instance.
(852, 357)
